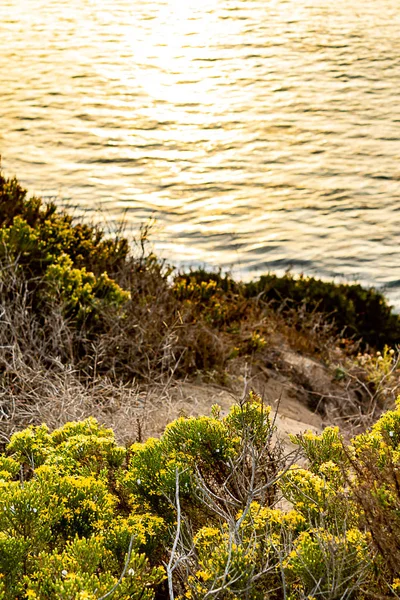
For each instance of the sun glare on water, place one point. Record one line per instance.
(256, 131)
(171, 42)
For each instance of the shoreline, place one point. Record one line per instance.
(245, 273)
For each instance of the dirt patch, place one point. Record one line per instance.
(194, 399)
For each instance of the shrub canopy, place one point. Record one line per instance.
(81, 516)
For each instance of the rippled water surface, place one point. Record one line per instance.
(261, 134)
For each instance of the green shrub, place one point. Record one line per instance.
(151, 476)
(200, 445)
(32, 446)
(375, 458)
(215, 299)
(39, 233)
(77, 512)
(64, 264)
(359, 312)
(79, 572)
(9, 468)
(82, 295)
(63, 532)
(324, 565)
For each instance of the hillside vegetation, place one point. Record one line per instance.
(218, 506)
(128, 308)
(196, 513)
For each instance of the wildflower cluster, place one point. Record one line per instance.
(80, 515)
(62, 533)
(65, 262)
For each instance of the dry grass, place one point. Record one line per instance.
(128, 375)
(42, 381)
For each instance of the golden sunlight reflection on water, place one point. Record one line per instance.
(262, 134)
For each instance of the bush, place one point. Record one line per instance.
(62, 533)
(71, 500)
(39, 233)
(358, 312)
(196, 511)
(64, 264)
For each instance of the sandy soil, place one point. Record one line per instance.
(297, 389)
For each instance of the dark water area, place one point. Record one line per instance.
(262, 135)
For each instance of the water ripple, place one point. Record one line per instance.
(261, 134)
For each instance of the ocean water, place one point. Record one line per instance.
(260, 134)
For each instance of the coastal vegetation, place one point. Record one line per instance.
(196, 513)
(97, 305)
(218, 506)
